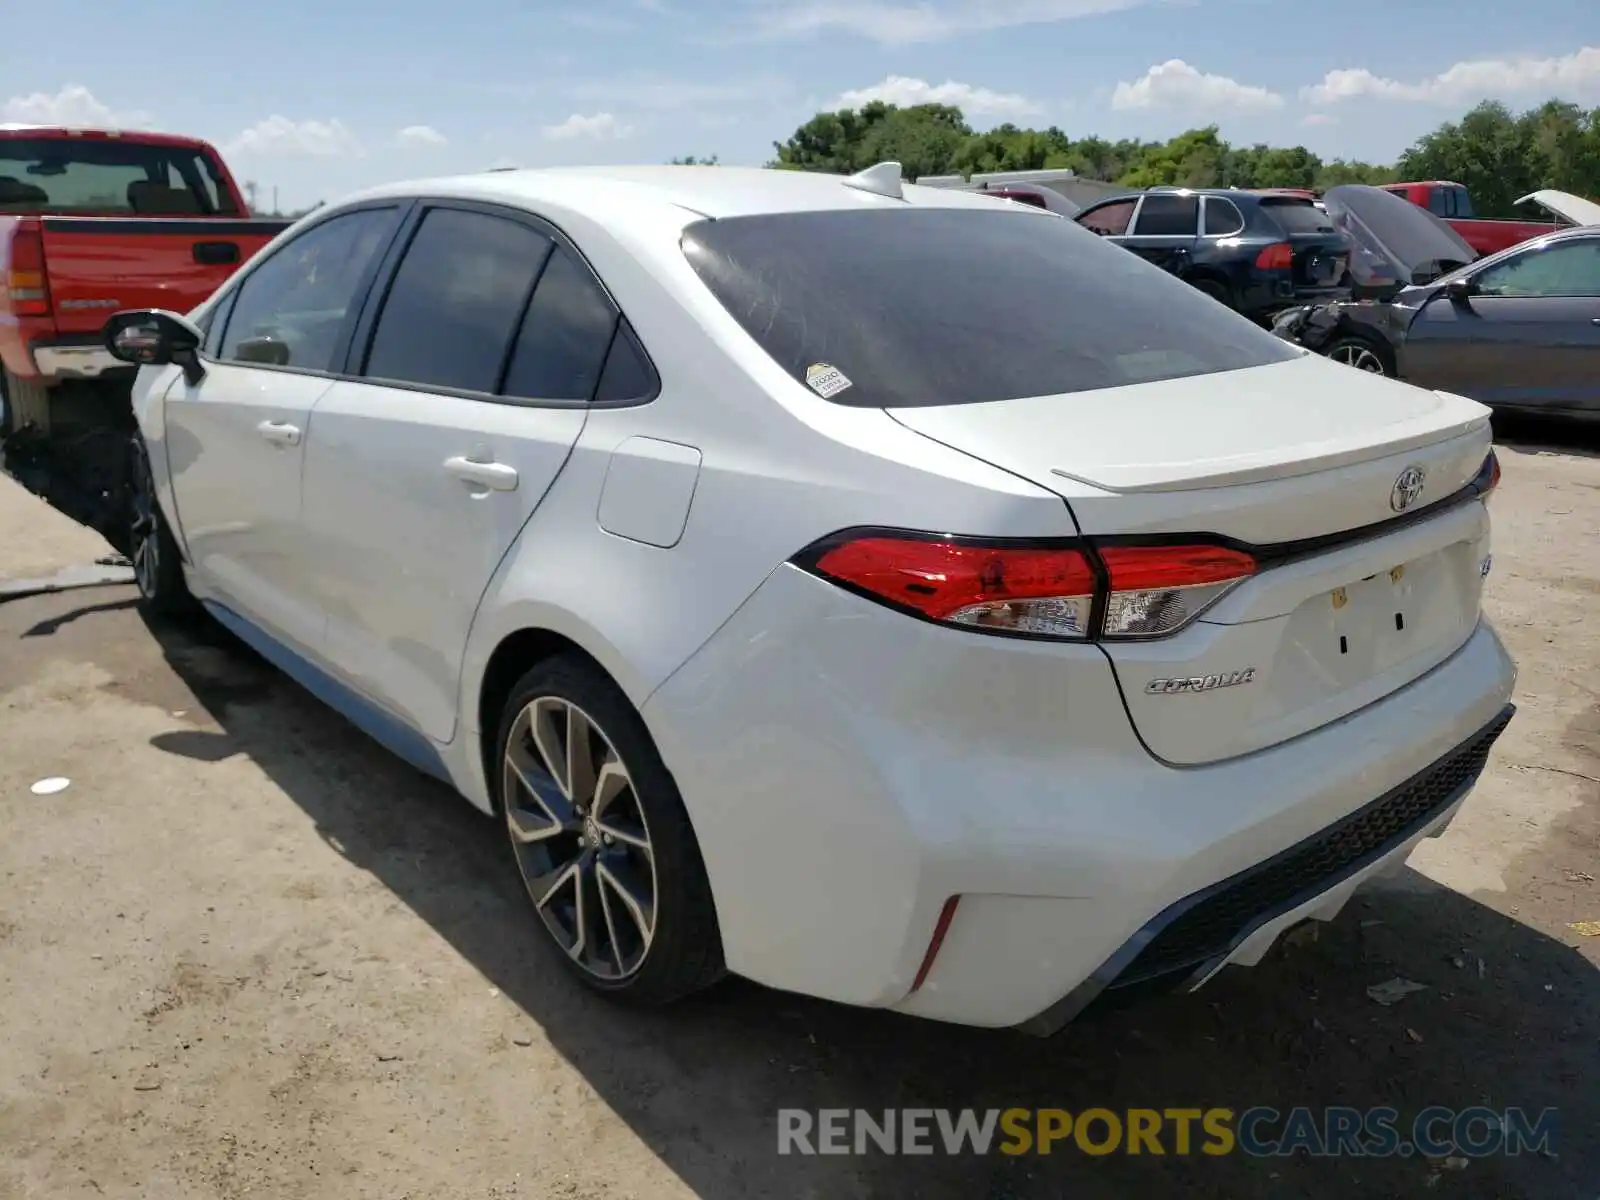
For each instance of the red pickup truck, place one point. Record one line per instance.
(1452, 203)
(92, 221)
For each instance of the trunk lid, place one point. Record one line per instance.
(1566, 206)
(1290, 459)
(98, 265)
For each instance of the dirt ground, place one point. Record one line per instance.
(246, 952)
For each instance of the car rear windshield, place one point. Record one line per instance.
(1298, 216)
(108, 176)
(911, 307)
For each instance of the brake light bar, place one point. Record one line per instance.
(26, 290)
(1488, 477)
(1064, 589)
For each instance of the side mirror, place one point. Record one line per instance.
(1461, 291)
(154, 337)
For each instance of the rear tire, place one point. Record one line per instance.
(601, 838)
(157, 565)
(1215, 288)
(1362, 354)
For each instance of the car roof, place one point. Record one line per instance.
(1247, 194)
(98, 133)
(716, 192)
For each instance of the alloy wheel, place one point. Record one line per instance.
(581, 838)
(1362, 358)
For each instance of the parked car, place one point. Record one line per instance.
(809, 573)
(1257, 253)
(1516, 330)
(1451, 202)
(1034, 194)
(92, 221)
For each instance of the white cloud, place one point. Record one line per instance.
(1569, 76)
(279, 136)
(904, 91)
(73, 106)
(420, 136)
(601, 126)
(1312, 120)
(1175, 84)
(900, 24)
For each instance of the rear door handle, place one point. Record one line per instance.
(493, 475)
(279, 433)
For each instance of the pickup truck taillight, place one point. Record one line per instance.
(25, 283)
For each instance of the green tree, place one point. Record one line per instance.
(689, 160)
(923, 139)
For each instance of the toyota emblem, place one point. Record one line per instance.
(1407, 488)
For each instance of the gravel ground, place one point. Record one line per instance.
(245, 951)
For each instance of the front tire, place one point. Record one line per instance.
(157, 566)
(1361, 354)
(601, 838)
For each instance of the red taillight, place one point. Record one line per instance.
(1157, 590)
(26, 290)
(940, 928)
(1277, 257)
(1037, 590)
(1041, 590)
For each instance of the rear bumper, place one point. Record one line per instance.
(848, 770)
(1237, 919)
(48, 357)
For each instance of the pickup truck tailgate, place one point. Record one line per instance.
(98, 265)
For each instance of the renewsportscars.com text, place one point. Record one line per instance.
(1261, 1131)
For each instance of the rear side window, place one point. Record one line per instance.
(1439, 201)
(1223, 216)
(928, 306)
(1167, 216)
(1460, 202)
(456, 301)
(290, 310)
(1110, 219)
(109, 177)
(562, 345)
(1297, 216)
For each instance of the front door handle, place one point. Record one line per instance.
(493, 475)
(279, 433)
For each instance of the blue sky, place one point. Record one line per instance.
(318, 97)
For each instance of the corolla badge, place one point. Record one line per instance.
(1407, 488)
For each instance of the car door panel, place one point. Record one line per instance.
(406, 534)
(236, 436)
(1528, 338)
(238, 490)
(423, 473)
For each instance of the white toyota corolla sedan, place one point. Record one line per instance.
(878, 592)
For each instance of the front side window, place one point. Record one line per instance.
(1563, 269)
(456, 301)
(1167, 216)
(291, 308)
(1439, 201)
(1109, 219)
(918, 306)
